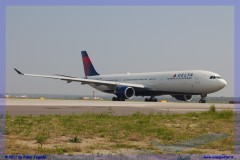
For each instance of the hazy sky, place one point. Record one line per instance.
(119, 39)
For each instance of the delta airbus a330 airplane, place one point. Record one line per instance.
(179, 84)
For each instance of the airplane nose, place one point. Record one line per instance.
(223, 83)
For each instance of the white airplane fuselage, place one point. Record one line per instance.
(194, 82)
(179, 84)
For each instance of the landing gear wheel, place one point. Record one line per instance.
(202, 101)
(119, 99)
(151, 99)
(122, 99)
(114, 99)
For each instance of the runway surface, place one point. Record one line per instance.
(37, 107)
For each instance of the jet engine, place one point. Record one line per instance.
(124, 91)
(183, 97)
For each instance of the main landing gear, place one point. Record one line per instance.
(203, 98)
(151, 99)
(118, 99)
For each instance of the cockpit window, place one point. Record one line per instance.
(215, 77)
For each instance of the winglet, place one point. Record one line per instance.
(18, 71)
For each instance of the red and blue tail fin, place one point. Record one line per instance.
(88, 66)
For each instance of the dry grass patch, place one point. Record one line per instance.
(91, 133)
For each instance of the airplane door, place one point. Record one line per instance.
(197, 80)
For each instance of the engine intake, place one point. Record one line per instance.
(183, 97)
(124, 91)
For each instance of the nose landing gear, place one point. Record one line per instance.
(203, 98)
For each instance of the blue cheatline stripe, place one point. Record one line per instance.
(2, 80)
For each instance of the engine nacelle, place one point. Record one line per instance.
(183, 97)
(124, 91)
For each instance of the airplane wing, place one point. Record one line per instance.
(84, 81)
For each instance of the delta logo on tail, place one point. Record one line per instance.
(88, 66)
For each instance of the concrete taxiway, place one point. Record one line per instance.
(37, 107)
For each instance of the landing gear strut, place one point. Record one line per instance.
(118, 99)
(151, 99)
(203, 98)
